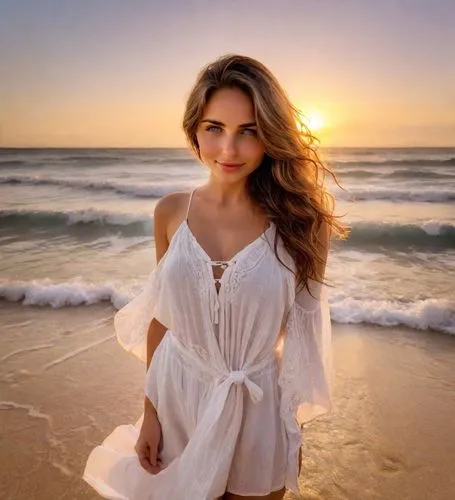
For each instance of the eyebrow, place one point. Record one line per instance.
(221, 124)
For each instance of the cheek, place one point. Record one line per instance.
(253, 150)
(208, 144)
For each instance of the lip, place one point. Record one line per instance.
(230, 167)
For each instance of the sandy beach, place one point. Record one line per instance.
(65, 385)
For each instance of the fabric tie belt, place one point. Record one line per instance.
(224, 376)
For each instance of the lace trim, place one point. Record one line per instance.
(297, 359)
(303, 378)
(241, 265)
(251, 259)
(296, 381)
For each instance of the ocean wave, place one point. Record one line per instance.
(436, 314)
(429, 234)
(74, 293)
(183, 160)
(92, 158)
(135, 159)
(396, 174)
(72, 217)
(419, 174)
(6, 163)
(44, 161)
(429, 162)
(160, 189)
(88, 160)
(136, 190)
(434, 195)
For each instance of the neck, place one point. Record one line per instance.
(224, 193)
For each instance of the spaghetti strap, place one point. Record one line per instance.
(189, 204)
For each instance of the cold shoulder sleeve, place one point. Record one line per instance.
(306, 364)
(132, 321)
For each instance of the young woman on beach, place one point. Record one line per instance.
(234, 321)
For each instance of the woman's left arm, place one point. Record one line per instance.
(306, 364)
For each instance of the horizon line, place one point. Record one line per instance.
(186, 148)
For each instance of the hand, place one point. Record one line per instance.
(148, 444)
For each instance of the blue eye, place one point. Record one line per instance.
(250, 131)
(212, 127)
(246, 131)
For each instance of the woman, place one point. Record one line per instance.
(234, 322)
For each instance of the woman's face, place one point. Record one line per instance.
(227, 136)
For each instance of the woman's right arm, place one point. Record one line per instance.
(150, 436)
(162, 215)
(166, 218)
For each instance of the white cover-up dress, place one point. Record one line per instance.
(239, 370)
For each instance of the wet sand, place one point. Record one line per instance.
(65, 384)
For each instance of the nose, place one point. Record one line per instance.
(229, 146)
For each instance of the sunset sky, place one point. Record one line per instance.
(116, 73)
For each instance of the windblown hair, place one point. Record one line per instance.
(289, 184)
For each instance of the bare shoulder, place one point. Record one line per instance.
(171, 204)
(169, 213)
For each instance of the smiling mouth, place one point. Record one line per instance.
(230, 165)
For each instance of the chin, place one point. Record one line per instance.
(239, 172)
(230, 177)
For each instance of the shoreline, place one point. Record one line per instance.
(66, 384)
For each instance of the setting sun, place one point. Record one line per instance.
(313, 120)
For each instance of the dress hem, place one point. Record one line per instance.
(256, 494)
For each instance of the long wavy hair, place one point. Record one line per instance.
(289, 185)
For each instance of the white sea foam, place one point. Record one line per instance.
(437, 228)
(76, 293)
(104, 217)
(437, 314)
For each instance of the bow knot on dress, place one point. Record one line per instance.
(237, 376)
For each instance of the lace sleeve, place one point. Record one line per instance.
(306, 364)
(132, 321)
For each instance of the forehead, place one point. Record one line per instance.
(229, 106)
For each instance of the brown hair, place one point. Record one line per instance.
(289, 185)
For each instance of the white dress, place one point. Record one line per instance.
(237, 373)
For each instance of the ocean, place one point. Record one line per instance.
(76, 244)
(76, 228)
